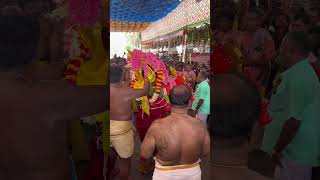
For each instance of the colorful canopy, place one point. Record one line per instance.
(187, 13)
(120, 26)
(141, 10)
(136, 15)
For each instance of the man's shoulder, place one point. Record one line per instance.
(303, 75)
(204, 84)
(160, 122)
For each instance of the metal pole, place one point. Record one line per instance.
(184, 48)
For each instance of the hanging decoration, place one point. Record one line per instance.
(188, 12)
(120, 26)
(196, 36)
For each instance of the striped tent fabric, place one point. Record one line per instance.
(141, 10)
(120, 26)
(136, 15)
(187, 13)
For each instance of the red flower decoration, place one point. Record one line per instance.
(220, 62)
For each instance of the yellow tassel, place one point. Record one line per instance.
(139, 84)
(145, 105)
(173, 72)
(134, 106)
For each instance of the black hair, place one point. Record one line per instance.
(115, 73)
(258, 12)
(301, 16)
(24, 3)
(180, 95)
(279, 14)
(315, 30)
(19, 41)
(204, 73)
(315, 36)
(300, 41)
(235, 106)
(225, 12)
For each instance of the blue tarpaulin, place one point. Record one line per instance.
(141, 10)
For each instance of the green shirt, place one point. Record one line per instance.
(298, 97)
(202, 92)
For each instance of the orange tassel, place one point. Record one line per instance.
(159, 79)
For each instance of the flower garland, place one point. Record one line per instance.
(78, 53)
(142, 60)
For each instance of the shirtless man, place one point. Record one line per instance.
(179, 140)
(33, 128)
(121, 131)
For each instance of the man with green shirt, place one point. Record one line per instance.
(201, 105)
(293, 136)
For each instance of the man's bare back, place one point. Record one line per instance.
(121, 107)
(33, 132)
(179, 139)
(121, 97)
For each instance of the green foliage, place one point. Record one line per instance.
(134, 40)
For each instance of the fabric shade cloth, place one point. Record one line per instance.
(141, 10)
(158, 109)
(120, 26)
(187, 13)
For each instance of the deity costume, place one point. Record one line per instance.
(225, 59)
(156, 105)
(87, 65)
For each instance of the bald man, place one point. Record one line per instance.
(33, 128)
(293, 136)
(235, 110)
(179, 140)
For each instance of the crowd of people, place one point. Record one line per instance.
(38, 108)
(188, 111)
(276, 46)
(258, 102)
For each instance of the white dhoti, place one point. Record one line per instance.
(180, 172)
